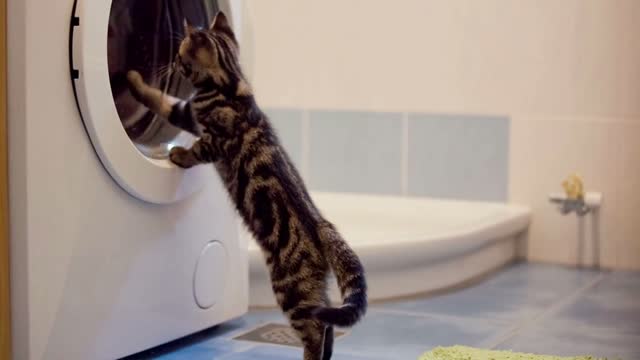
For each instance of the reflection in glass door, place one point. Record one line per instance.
(144, 35)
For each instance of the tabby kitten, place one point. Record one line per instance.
(300, 246)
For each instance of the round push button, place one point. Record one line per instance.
(210, 275)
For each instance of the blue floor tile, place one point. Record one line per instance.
(611, 306)
(602, 310)
(259, 317)
(213, 342)
(519, 293)
(507, 309)
(267, 353)
(567, 338)
(602, 321)
(201, 353)
(535, 278)
(283, 353)
(395, 336)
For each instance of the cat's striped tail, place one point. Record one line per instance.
(351, 280)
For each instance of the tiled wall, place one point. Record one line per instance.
(564, 72)
(355, 151)
(443, 156)
(606, 152)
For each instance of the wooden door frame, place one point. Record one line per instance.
(5, 298)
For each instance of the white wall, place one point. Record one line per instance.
(567, 72)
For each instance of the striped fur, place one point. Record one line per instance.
(301, 248)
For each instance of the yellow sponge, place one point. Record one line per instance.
(574, 187)
(467, 353)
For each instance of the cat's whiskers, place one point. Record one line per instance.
(163, 72)
(177, 37)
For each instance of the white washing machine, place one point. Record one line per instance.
(113, 249)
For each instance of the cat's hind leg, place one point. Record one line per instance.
(312, 335)
(328, 343)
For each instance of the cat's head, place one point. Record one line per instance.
(209, 54)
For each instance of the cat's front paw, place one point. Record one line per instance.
(137, 86)
(182, 157)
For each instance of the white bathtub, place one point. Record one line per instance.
(411, 245)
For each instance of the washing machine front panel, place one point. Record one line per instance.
(109, 38)
(99, 274)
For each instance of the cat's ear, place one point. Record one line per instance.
(188, 29)
(221, 24)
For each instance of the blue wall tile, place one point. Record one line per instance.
(288, 126)
(459, 157)
(355, 152)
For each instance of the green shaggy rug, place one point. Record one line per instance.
(467, 353)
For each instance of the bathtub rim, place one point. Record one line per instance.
(436, 245)
(431, 250)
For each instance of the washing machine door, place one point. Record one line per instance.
(109, 38)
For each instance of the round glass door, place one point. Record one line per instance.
(144, 35)
(111, 37)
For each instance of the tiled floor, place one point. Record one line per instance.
(531, 308)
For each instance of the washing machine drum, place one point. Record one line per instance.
(110, 38)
